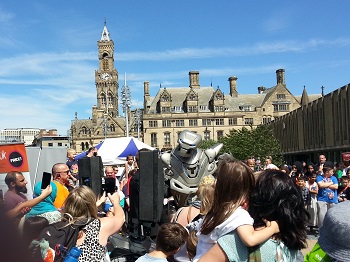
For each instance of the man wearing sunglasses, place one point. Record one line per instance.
(61, 175)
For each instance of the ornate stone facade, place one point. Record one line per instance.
(210, 112)
(105, 121)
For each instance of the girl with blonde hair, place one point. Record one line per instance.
(80, 208)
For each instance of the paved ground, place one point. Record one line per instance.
(311, 241)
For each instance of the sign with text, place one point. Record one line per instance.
(13, 157)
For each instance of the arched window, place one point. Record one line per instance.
(105, 64)
(84, 130)
(112, 128)
(82, 146)
(110, 98)
(86, 145)
(103, 99)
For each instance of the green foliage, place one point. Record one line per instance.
(259, 142)
(207, 144)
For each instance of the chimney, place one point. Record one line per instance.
(233, 86)
(146, 97)
(280, 76)
(194, 79)
(146, 88)
(261, 89)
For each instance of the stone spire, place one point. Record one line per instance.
(105, 33)
(304, 98)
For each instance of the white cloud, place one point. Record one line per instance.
(257, 49)
(5, 17)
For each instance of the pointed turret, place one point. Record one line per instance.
(105, 33)
(304, 98)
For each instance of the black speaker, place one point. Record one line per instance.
(151, 194)
(91, 172)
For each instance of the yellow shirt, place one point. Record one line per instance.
(62, 194)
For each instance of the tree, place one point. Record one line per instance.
(207, 144)
(259, 142)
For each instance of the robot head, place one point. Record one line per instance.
(187, 142)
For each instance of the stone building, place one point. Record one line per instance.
(210, 112)
(105, 121)
(50, 138)
(318, 127)
(25, 135)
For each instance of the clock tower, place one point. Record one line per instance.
(106, 77)
(105, 121)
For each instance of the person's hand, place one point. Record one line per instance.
(47, 191)
(101, 200)
(273, 225)
(73, 177)
(115, 198)
(25, 210)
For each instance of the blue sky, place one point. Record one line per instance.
(48, 50)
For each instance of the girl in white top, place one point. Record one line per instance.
(234, 185)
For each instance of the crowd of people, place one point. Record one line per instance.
(245, 212)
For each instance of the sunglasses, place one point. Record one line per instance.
(67, 171)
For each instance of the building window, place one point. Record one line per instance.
(59, 144)
(192, 97)
(86, 145)
(166, 139)
(154, 139)
(103, 100)
(105, 65)
(177, 109)
(220, 134)
(193, 122)
(82, 146)
(266, 119)
(84, 130)
(50, 144)
(219, 121)
(282, 108)
(248, 121)
(281, 96)
(153, 123)
(232, 121)
(165, 109)
(203, 107)
(165, 98)
(192, 109)
(219, 108)
(110, 99)
(206, 122)
(245, 108)
(180, 122)
(206, 135)
(166, 123)
(112, 128)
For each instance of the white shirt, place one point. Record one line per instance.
(238, 218)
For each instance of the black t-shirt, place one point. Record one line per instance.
(134, 198)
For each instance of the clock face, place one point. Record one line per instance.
(105, 76)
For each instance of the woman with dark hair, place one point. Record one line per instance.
(275, 198)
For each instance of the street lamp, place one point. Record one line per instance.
(126, 102)
(138, 118)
